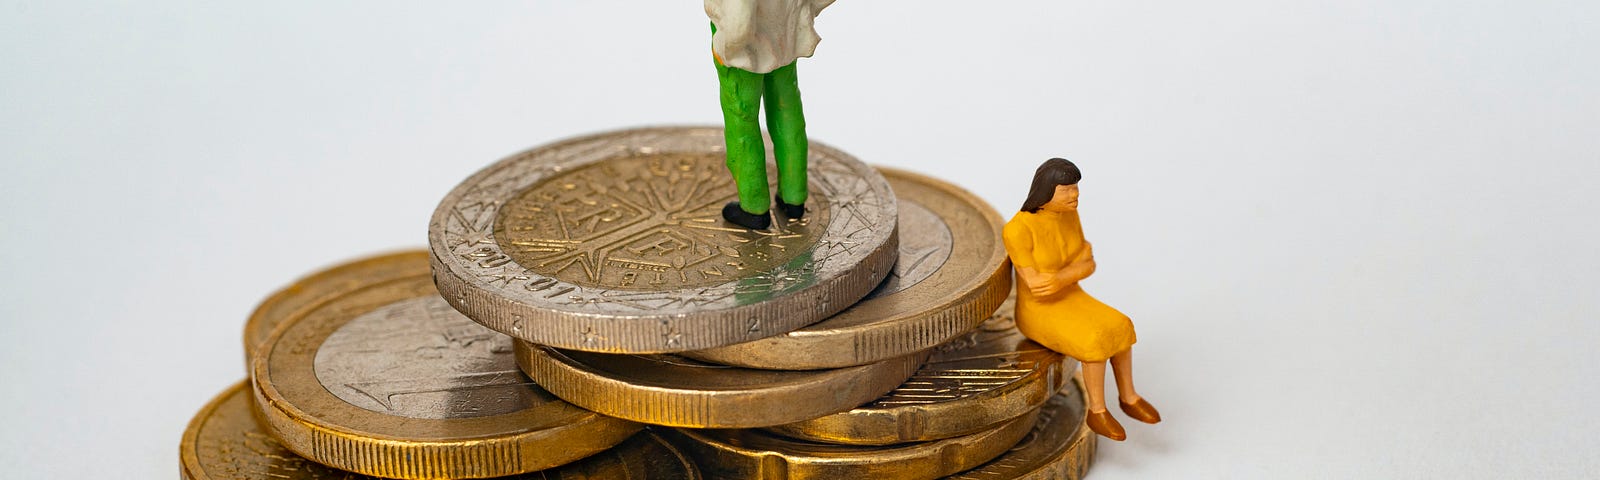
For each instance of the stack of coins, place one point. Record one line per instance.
(584, 312)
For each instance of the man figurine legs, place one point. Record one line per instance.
(742, 95)
(787, 123)
(747, 156)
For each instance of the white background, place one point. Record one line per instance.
(1358, 237)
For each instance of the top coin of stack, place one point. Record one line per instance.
(614, 243)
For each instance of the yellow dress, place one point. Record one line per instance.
(1070, 321)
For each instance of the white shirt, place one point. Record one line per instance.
(762, 35)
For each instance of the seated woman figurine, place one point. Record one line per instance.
(1045, 241)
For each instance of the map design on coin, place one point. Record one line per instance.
(388, 380)
(922, 252)
(419, 358)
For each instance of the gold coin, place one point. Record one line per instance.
(1060, 447)
(311, 290)
(972, 383)
(676, 391)
(224, 442)
(389, 381)
(758, 454)
(951, 274)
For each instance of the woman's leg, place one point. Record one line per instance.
(1130, 401)
(1098, 419)
(1094, 378)
(1122, 369)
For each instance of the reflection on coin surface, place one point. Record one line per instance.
(311, 290)
(1060, 447)
(391, 372)
(951, 273)
(758, 454)
(224, 442)
(567, 227)
(615, 243)
(681, 392)
(972, 383)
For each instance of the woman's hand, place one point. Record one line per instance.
(1081, 267)
(1041, 284)
(1075, 272)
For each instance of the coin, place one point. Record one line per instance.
(1060, 447)
(391, 372)
(224, 442)
(951, 274)
(614, 242)
(758, 454)
(972, 383)
(311, 290)
(681, 392)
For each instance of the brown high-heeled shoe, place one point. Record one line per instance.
(1102, 423)
(1140, 410)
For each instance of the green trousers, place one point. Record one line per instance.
(743, 93)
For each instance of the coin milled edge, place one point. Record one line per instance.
(370, 453)
(914, 423)
(592, 389)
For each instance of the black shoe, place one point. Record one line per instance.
(790, 211)
(735, 214)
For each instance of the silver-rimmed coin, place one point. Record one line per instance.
(615, 243)
(317, 287)
(390, 381)
(224, 442)
(677, 391)
(979, 380)
(952, 273)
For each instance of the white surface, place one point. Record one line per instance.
(1358, 237)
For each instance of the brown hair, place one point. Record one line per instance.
(1055, 171)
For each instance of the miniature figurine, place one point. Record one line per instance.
(755, 44)
(1047, 249)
